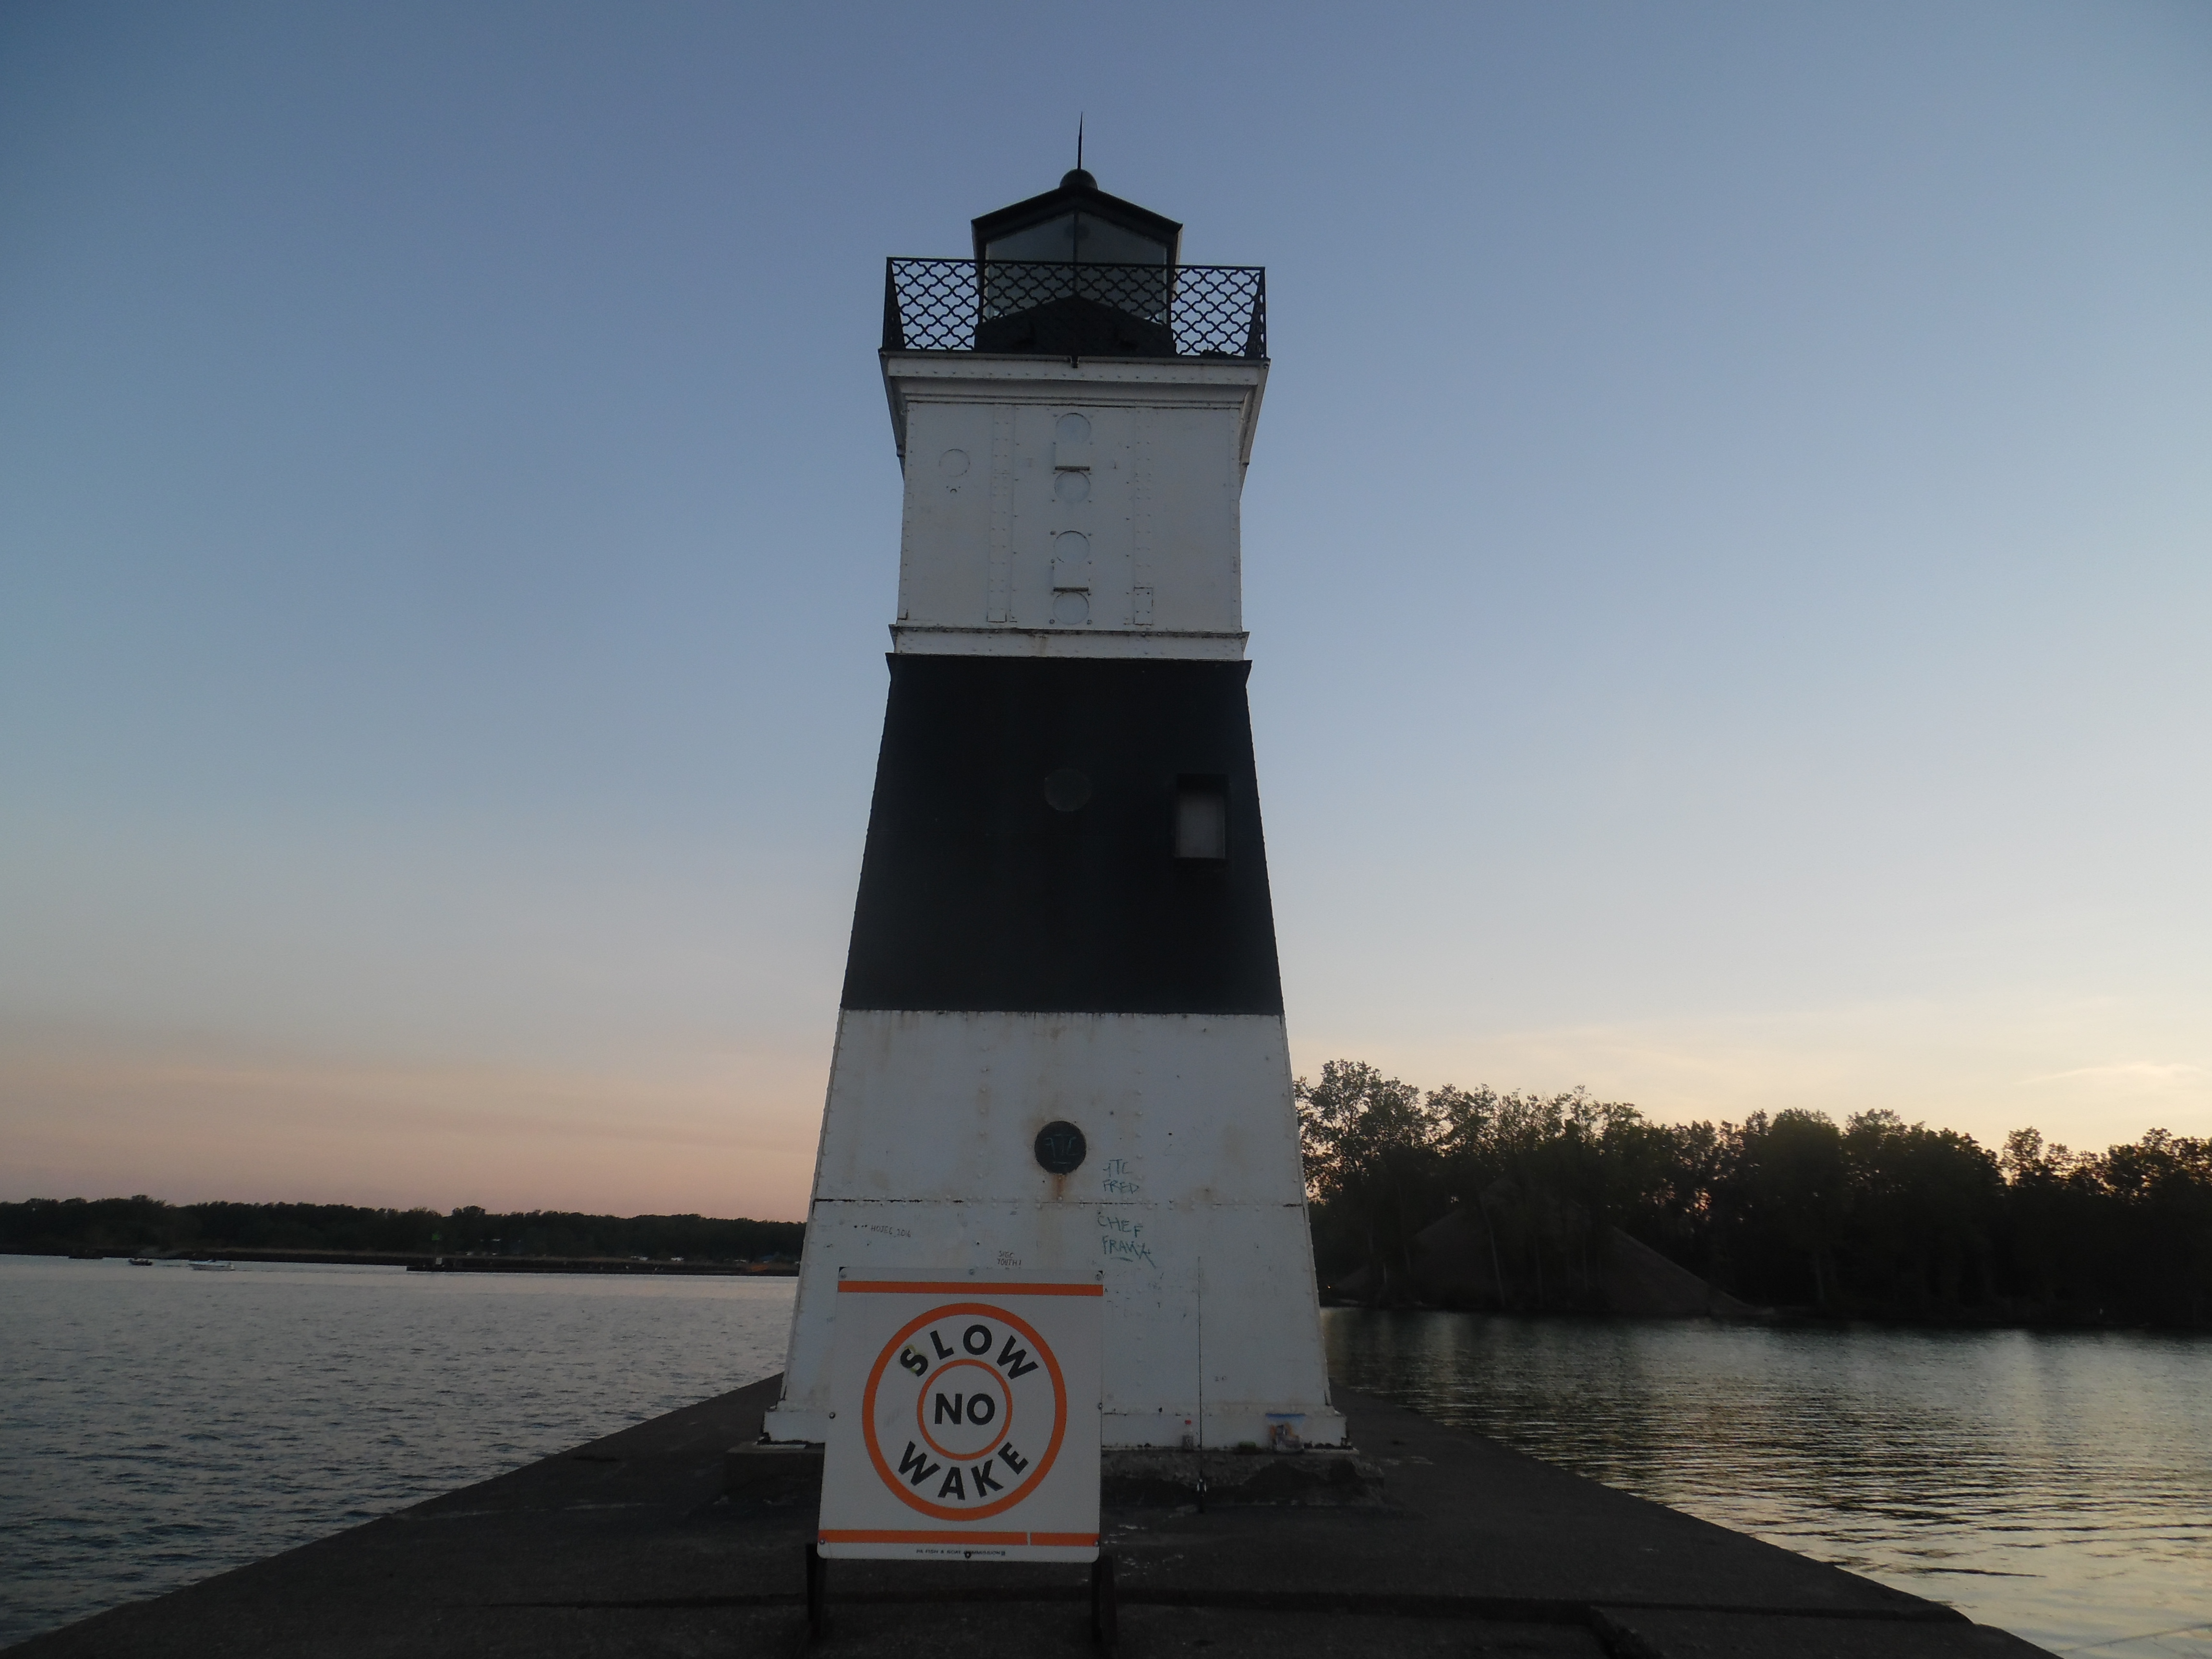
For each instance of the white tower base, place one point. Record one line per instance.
(926, 1163)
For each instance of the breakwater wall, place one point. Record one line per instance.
(641, 1542)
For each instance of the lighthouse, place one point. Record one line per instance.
(1060, 1047)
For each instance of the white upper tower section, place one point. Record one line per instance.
(1074, 412)
(1088, 509)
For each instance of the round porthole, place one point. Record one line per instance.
(1067, 789)
(1060, 1147)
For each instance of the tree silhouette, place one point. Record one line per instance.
(1878, 1218)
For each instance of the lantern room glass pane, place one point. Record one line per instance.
(1083, 236)
(1052, 241)
(1101, 243)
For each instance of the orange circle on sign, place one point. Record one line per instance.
(998, 1430)
(1030, 1483)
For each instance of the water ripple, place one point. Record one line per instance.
(2058, 1484)
(158, 1425)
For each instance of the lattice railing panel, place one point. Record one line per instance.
(1208, 311)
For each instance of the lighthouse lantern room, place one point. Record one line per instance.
(1060, 1045)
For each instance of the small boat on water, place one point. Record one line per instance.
(142, 1260)
(210, 1266)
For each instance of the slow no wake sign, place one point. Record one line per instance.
(966, 1420)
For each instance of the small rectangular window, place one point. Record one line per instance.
(1201, 817)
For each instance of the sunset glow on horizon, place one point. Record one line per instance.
(1728, 557)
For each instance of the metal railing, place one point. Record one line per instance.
(1005, 305)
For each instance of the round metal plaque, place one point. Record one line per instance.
(1067, 789)
(1060, 1147)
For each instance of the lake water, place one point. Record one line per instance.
(2059, 1486)
(157, 1425)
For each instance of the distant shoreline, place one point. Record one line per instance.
(2058, 1322)
(468, 1239)
(455, 1264)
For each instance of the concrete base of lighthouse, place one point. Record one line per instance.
(1189, 1199)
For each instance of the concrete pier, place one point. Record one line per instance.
(634, 1545)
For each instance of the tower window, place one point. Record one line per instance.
(1201, 824)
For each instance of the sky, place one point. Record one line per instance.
(1728, 555)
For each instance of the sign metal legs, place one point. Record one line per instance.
(818, 1592)
(1105, 1611)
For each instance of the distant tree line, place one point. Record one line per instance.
(1874, 1218)
(143, 1225)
